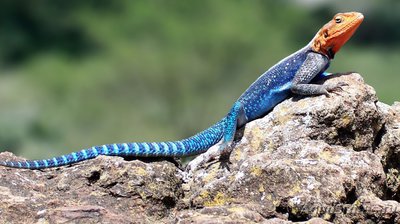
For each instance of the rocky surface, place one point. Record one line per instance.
(312, 159)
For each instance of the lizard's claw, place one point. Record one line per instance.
(224, 164)
(225, 152)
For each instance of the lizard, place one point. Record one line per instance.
(294, 75)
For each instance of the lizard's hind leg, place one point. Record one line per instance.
(234, 119)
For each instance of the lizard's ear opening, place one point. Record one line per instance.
(326, 34)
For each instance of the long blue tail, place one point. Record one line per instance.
(190, 146)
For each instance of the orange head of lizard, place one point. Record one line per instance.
(333, 35)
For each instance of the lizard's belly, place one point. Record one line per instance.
(264, 103)
(273, 86)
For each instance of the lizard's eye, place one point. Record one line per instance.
(338, 19)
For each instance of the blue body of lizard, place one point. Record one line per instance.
(291, 75)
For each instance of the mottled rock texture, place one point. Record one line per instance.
(315, 159)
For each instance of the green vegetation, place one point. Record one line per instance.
(79, 73)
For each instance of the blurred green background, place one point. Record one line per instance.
(81, 73)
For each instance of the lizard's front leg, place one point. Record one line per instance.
(314, 64)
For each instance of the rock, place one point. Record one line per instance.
(102, 190)
(388, 148)
(315, 159)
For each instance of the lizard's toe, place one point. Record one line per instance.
(336, 87)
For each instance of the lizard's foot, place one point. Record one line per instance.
(333, 88)
(225, 153)
(222, 151)
(211, 154)
(224, 164)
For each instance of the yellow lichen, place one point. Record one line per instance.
(256, 138)
(238, 155)
(357, 203)
(211, 175)
(232, 178)
(219, 199)
(294, 210)
(282, 116)
(339, 194)
(204, 194)
(296, 189)
(261, 188)
(284, 119)
(327, 155)
(140, 171)
(327, 216)
(346, 120)
(255, 171)
(271, 146)
(315, 212)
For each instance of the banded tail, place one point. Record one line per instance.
(190, 146)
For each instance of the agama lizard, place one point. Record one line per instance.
(294, 74)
